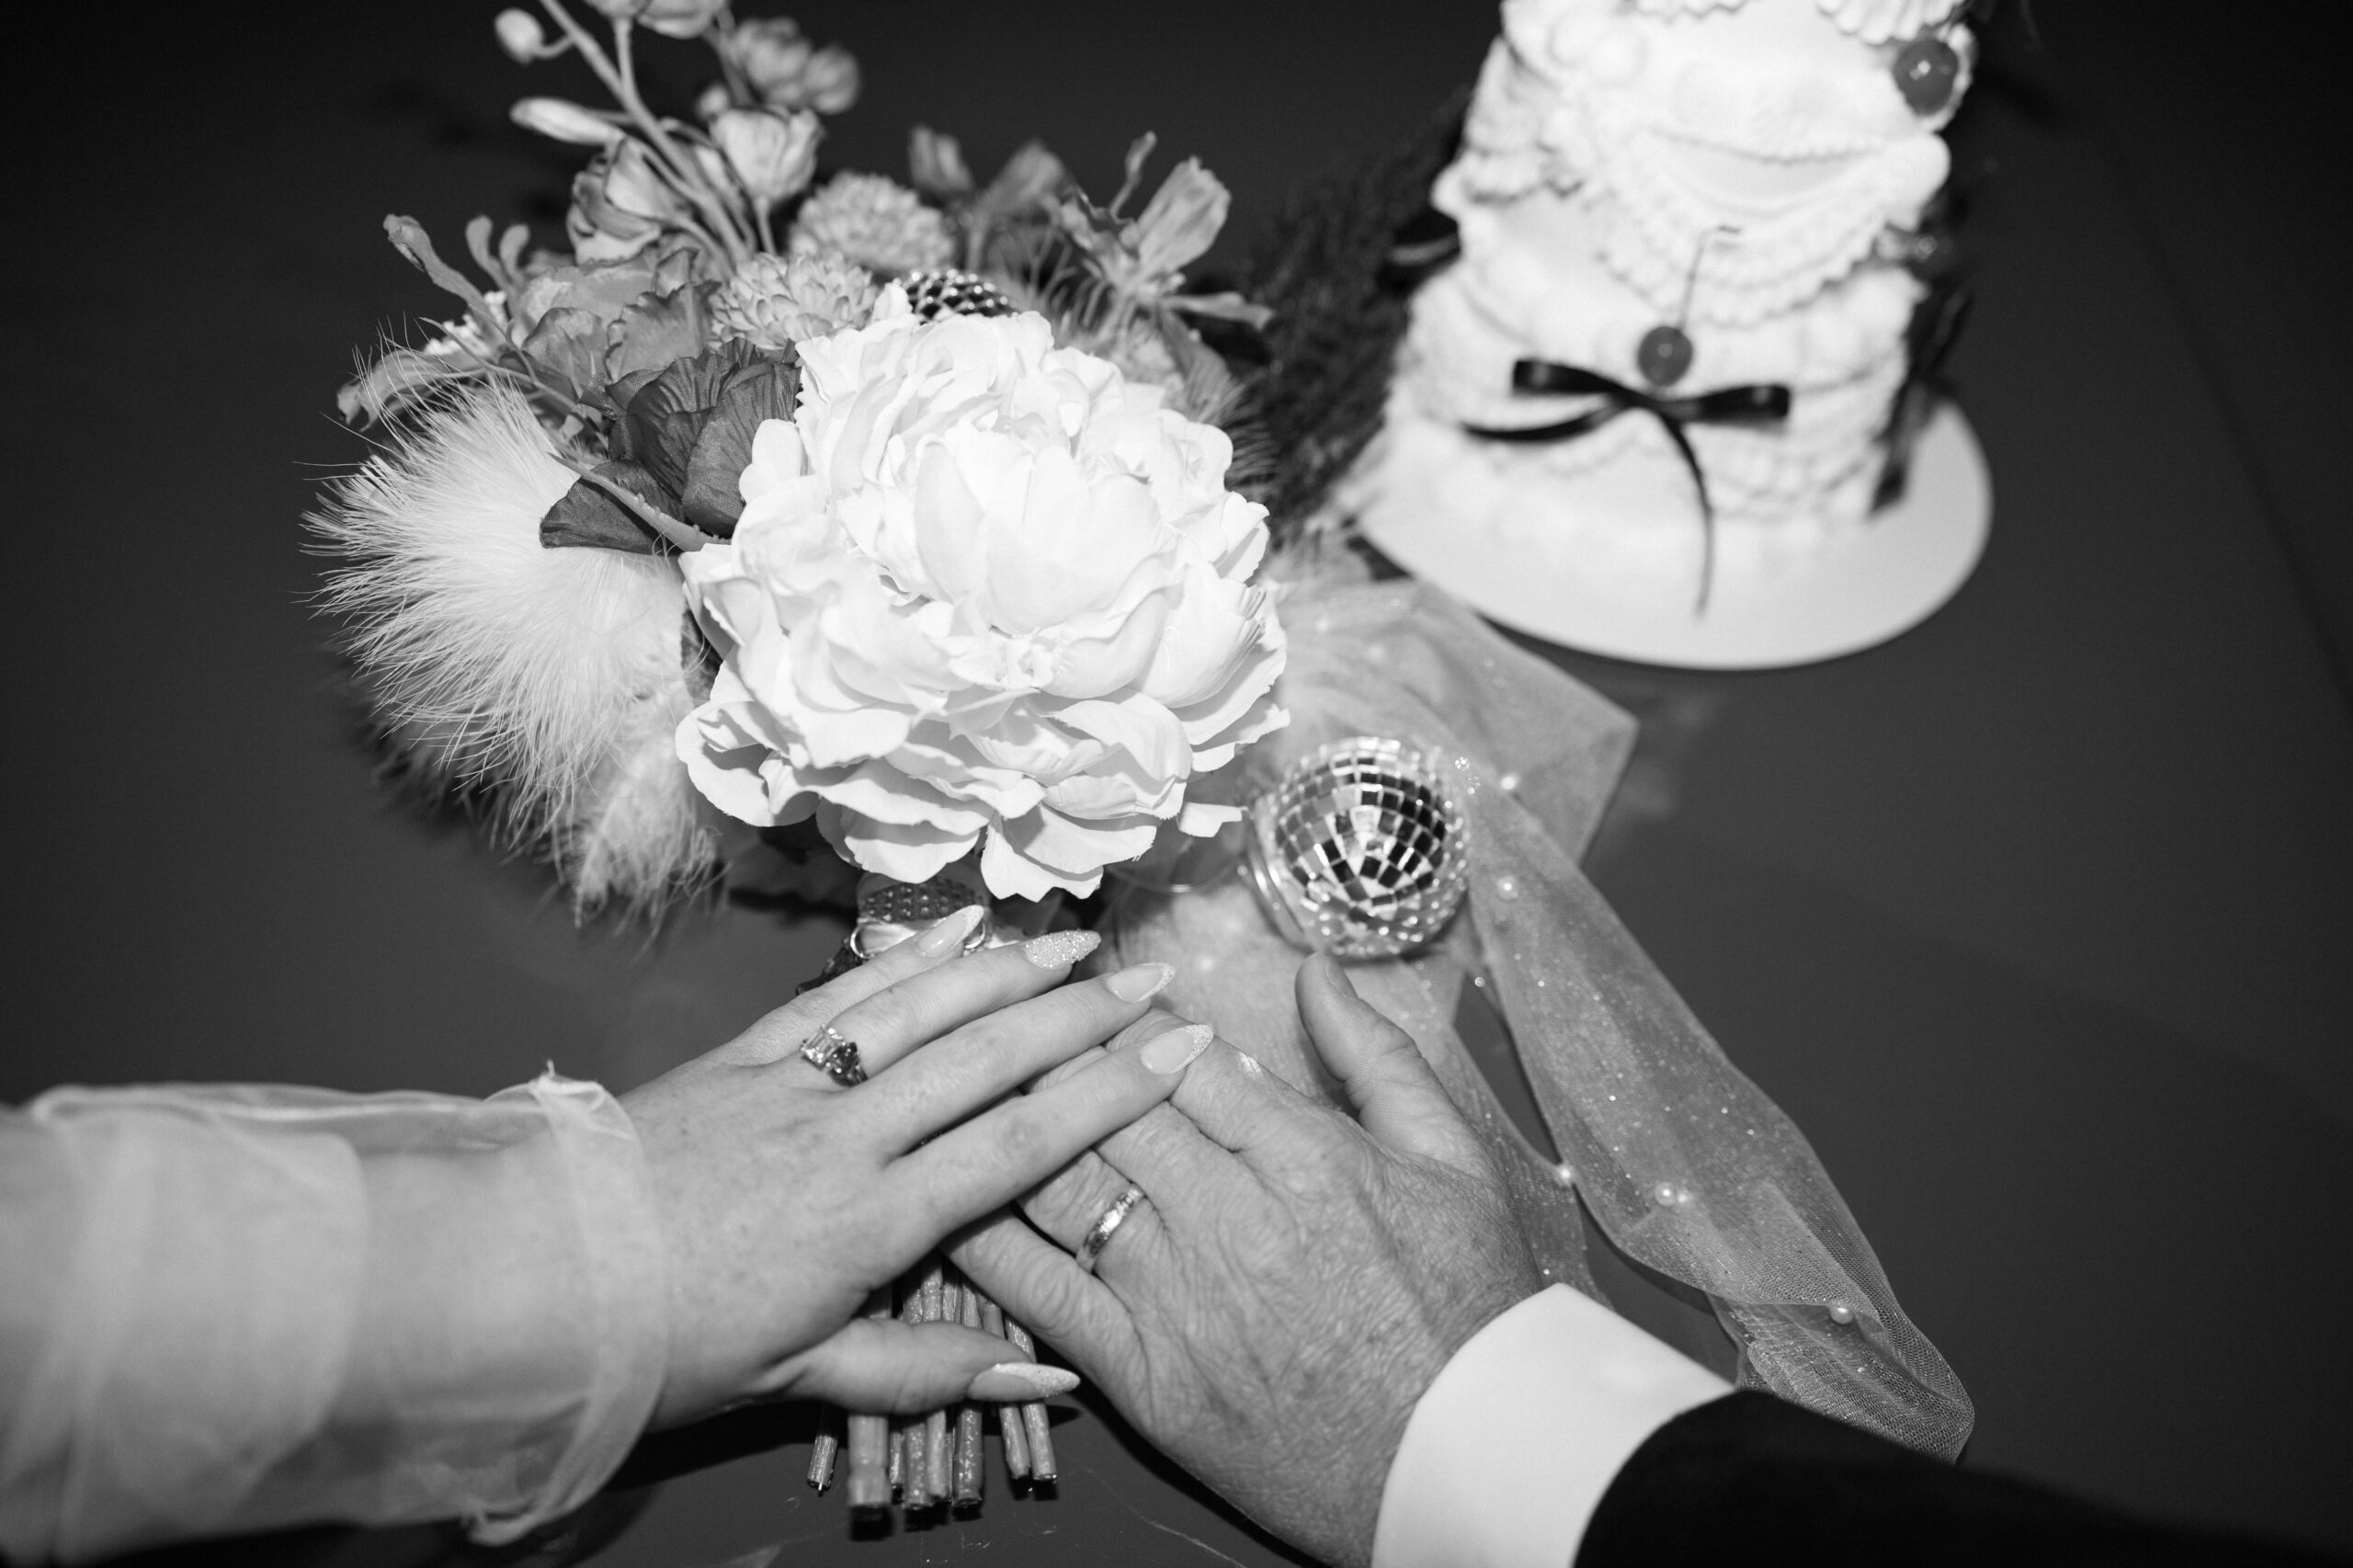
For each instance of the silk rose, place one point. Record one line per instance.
(984, 593)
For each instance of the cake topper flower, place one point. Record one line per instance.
(986, 594)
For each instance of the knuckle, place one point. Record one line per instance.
(773, 1036)
(1062, 1072)
(1156, 1022)
(1066, 1190)
(1330, 1161)
(1267, 1248)
(1392, 1037)
(795, 1018)
(981, 1044)
(1024, 1140)
(1067, 1202)
(1155, 1136)
(941, 1207)
(885, 1016)
(1059, 1299)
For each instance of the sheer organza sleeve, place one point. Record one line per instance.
(230, 1309)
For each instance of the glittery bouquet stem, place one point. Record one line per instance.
(937, 1458)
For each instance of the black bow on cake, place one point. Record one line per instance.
(1726, 405)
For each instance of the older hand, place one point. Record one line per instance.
(1272, 1314)
(786, 1197)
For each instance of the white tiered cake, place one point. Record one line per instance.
(1681, 197)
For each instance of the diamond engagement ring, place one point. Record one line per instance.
(1098, 1235)
(835, 1054)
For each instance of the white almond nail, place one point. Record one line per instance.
(1145, 980)
(1010, 1382)
(949, 931)
(1175, 1050)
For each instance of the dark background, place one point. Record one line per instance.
(2038, 920)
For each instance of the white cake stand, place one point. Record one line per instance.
(1880, 584)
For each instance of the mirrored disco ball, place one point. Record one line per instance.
(1359, 850)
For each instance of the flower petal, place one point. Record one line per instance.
(1136, 724)
(905, 852)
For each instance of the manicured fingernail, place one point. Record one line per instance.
(1175, 1052)
(1144, 980)
(950, 932)
(1009, 1382)
(1060, 950)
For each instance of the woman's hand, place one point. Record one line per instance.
(1273, 1313)
(787, 1199)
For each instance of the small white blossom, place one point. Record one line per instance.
(787, 71)
(773, 156)
(521, 35)
(830, 82)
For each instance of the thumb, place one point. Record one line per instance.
(886, 1368)
(1395, 1096)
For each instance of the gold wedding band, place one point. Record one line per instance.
(1098, 1235)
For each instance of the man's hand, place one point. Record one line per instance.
(1272, 1314)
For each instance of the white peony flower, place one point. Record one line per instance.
(985, 593)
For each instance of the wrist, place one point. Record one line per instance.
(467, 1258)
(1508, 1453)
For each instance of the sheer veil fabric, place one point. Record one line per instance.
(230, 1309)
(1685, 1164)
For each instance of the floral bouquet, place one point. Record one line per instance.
(918, 533)
(892, 526)
(820, 528)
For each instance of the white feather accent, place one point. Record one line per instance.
(552, 678)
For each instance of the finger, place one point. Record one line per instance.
(889, 1368)
(938, 1084)
(1240, 1104)
(1395, 1096)
(1037, 1282)
(1161, 1150)
(1068, 1204)
(1237, 1117)
(781, 1032)
(984, 1164)
(886, 1024)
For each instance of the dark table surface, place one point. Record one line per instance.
(2038, 920)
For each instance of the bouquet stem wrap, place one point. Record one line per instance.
(1687, 1166)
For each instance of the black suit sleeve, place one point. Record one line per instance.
(1749, 1478)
